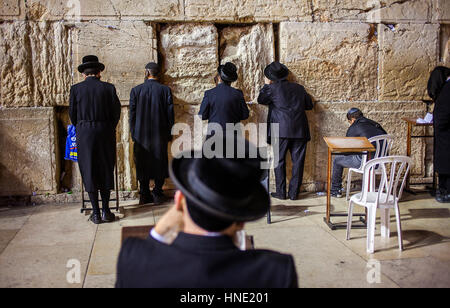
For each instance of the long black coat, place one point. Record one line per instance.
(287, 103)
(201, 262)
(224, 104)
(151, 121)
(95, 111)
(442, 131)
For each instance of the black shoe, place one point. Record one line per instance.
(337, 194)
(107, 216)
(441, 198)
(95, 218)
(158, 199)
(277, 196)
(145, 199)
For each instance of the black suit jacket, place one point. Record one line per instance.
(151, 115)
(364, 127)
(95, 111)
(201, 262)
(224, 104)
(287, 103)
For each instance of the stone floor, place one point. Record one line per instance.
(36, 244)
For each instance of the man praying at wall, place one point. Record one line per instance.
(359, 127)
(287, 103)
(151, 121)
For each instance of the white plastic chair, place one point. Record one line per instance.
(383, 145)
(394, 170)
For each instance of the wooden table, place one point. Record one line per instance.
(412, 122)
(343, 146)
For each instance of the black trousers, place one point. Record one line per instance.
(147, 168)
(444, 183)
(297, 148)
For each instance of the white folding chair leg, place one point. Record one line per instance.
(349, 219)
(399, 227)
(372, 211)
(385, 223)
(349, 183)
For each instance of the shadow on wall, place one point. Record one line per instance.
(13, 181)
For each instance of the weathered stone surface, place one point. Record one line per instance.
(10, 7)
(190, 60)
(445, 45)
(124, 47)
(334, 61)
(99, 9)
(441, 13)
(373, 11)
(125, 158)
(413, 11)
(250, 49)
(407, 55)
(34, 64)
(248, 11)
(28, 155)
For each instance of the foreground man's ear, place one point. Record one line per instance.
(179, 200)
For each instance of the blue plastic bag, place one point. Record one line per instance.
(71, 144)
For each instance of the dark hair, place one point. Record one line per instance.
(354, 113)
(206, 221)
(91, 71)
(154, 72)
(437, 80)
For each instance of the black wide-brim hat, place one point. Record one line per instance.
(228, 72)
(227, 189)
(276, 71)
(91, 62)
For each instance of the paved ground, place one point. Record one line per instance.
(36, 244)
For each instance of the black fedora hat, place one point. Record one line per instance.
(226, 189)
(276, 71)
(91, 62)
(228, 72)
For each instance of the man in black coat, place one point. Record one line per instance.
(151, 121)
(287, 103)
(95, 112)
(439, 91)
(360, 127)
(224, 104)
(215, 198)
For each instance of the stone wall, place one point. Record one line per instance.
(371, 54)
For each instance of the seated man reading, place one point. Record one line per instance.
(192, 245)
(359, 127)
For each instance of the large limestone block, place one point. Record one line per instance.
(28, 155)
(441, 13)
(100, 9)
(413, 11)
(334, 61)
(330, 120)
(9, 8)
(407, 55)
(373, 11)
(190, 60)
(250, 49)
(125, 47)
(248, 11)
(34, 64)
